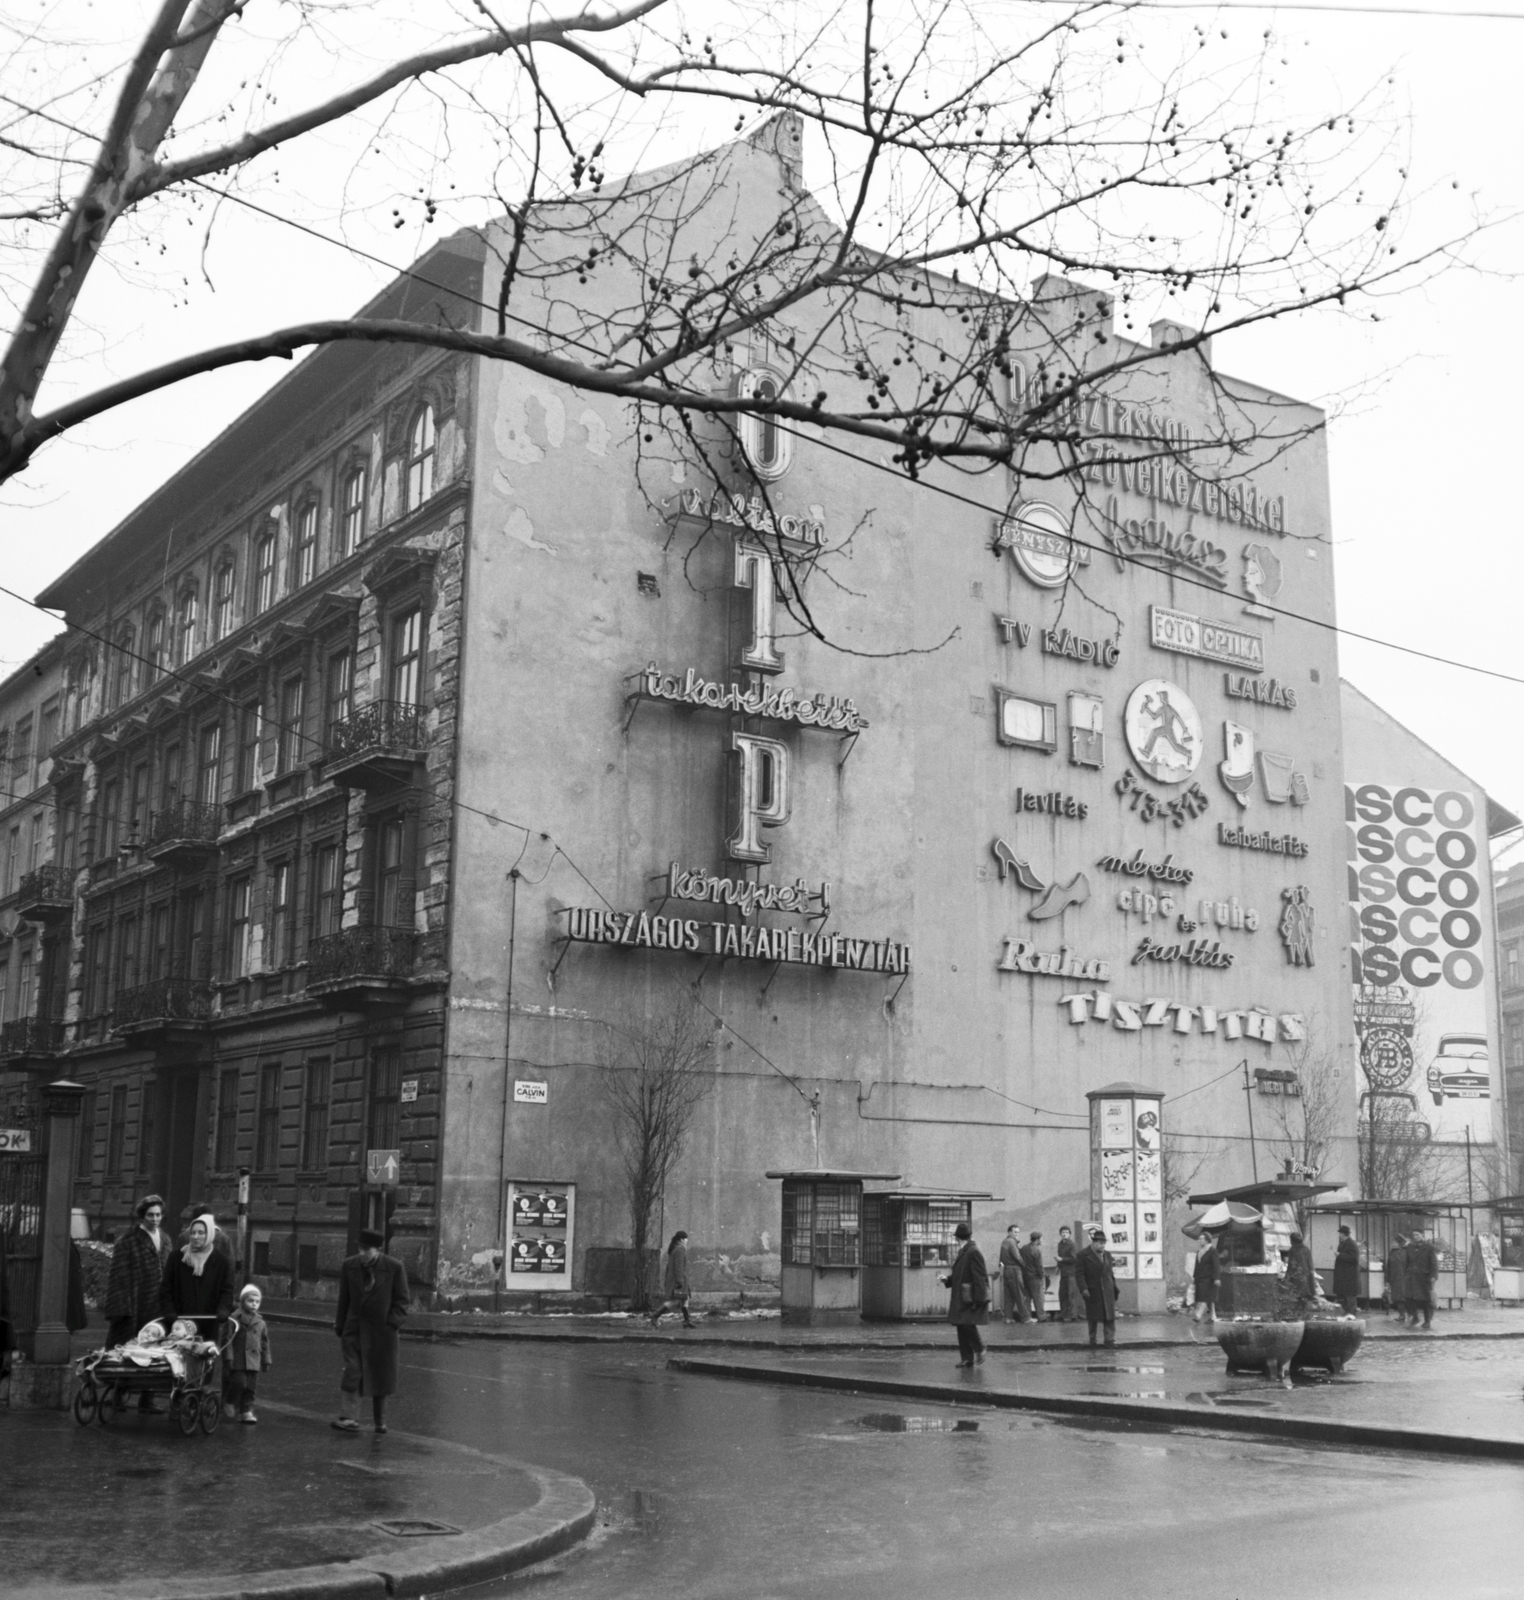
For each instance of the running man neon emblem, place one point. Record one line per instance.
(1163, 730)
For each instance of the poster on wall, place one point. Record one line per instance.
(1419, 958)
(1116, 1123)
(540, 1221)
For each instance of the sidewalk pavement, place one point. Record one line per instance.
(766, 1331)
(1446, 1397)
(286, 1508)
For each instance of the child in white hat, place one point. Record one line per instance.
(249, 1356)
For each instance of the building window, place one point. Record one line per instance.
(420, 458)
(267, 1151)
(108, 819)
(95, 970)
(304, 551)
(222, 601)
(5, 989)
(767, 447)
(238, 927)
(116, 1132)
(250, 731)
(85, 1165)
(193, 931)
(340, 686)
(264, 572)
(381, 1129)
(121, 690)
(153, 650)
(209, 764)
(185, 627)
(126, 954)
(47, 737)
(327, 899)
(292, 700)
(13, 859)
(406, 641)
(159, 926)
(389, 907)
(171, 775)
(226, 1155)
(280, 916)
(352, 528)
(39, 840)
(26, 1002)
(1513, 966)
(21, 756)
(68, 834)
(137, 814)
(146, 1124)
(315, 1118)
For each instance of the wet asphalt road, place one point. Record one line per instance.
(710, 1489)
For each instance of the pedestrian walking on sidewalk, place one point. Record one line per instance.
(1068, 1284)
(1011, 1275)
(1098, 1284)
(249, 1356)
(1422, 1271)
(1207, 1280)
(1346, 1273)
(373, 1300)
(675, 1288)
(1034, 1281)
(968, 1299)
(198, 1281)
(136, 1278)
(1397, 1276)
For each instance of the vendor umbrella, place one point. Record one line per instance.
(1224, 1214)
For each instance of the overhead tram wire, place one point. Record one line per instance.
(879, 466)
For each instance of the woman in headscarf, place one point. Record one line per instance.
(198, 1283)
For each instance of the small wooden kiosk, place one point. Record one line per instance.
(1374, 1223)
(908, 1245)
(822, 1243)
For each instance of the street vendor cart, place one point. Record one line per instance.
(1249, 1247)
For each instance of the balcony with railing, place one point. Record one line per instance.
(378, 746)
(357, 967)
(184, 830)
(46, 894)
(164, 1005)
(30, 1040)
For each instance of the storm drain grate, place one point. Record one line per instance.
(414, 1527)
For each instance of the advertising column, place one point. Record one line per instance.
(1127, 1189)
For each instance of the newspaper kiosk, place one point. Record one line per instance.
(822, 1243)
(1375, 1223)
(908, 1245)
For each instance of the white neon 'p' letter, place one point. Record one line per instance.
(762, 794)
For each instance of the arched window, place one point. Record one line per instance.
(768, 448)
(222, 601)
(420, 458)
(124, 662)
(185, 626)
(304, 550)
(264, 571)
(352, 528)
(153, 649)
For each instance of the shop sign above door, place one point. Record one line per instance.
(1189, 635)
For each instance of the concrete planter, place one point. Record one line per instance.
(1260, 1346)
(1329, 1342)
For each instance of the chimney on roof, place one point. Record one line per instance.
(1165, 334)
(1071, 311)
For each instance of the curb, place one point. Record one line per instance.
(563, 1515)
(796, 1347)
(1155, 1413)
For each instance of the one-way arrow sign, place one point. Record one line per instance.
(383, 1167)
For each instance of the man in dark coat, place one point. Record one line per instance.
(137, 1277)
(1033, 1279)
(968, 1300)
(373, 1299)
(1422, 1270)
(1011, 1275)
(1098, 1283)
(1207, 1280)
(1346, 1273)
(198, 1282)
(1298, 1293)
(1068, 1285)
(1397, 1276)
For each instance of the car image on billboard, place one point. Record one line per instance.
(1460, 1070)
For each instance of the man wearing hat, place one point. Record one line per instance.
(373, 1299)
(968, 1302)
(1346, 1273)
(1098, 1283)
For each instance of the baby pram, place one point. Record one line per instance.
(181, 1364)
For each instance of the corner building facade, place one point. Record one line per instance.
(1051, 801)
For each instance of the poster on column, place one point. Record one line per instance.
(1418, 910)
